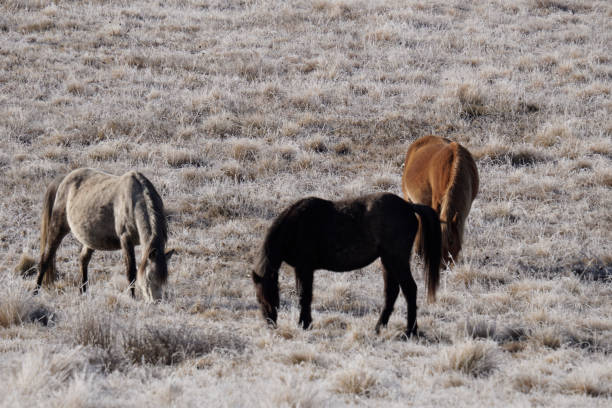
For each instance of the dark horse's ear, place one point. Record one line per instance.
(169, 254)
(256, 277)
(454, 220)
(152, 253)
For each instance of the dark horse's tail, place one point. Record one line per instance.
(48, 202)
(431, 245)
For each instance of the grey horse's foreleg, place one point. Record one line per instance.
(84, 258)
(130, 261)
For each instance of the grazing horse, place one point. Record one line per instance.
(106, 212)
(344, 235)
(442, 174)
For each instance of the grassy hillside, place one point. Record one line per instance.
(235, 109)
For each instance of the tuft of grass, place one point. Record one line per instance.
(475, 358)
(472, 101)
(170, 345)
(594, 380)
(355, 381)
(343, 147)
(26, 267)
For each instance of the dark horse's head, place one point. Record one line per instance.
(266, 289)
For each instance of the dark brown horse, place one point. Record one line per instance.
(107, 212)
(442, 174)
(344, 235)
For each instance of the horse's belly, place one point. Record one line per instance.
(94, 228)
(347, 259)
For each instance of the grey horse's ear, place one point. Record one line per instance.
(169, 254)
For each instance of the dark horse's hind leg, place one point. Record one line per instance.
(47, 258)
(85, 257)
(400, 270)
(391, 292)
(303, 285)
(130, 261)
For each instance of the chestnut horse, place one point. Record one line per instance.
(344, 235)
(443, 175)
(107, 212)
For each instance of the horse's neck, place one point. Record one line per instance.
(144, 224)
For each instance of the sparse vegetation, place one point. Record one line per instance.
(234, 109)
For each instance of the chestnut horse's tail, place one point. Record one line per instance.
(48, 202)
(431, 244)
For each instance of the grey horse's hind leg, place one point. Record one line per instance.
(47, 259)
(391, 291)
(303, 284)
(130, 261)
(85, 257)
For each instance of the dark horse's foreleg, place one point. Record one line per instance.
(303, 285)
(400, 270)
(130, 261)
(47, 257)
(391, 292)
(85, 257)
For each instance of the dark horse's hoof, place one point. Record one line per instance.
(306, 324)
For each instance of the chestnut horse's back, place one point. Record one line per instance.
(442, 174)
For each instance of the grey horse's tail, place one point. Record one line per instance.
(48, 202)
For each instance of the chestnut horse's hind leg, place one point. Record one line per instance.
(401, 272)
(391, 292)
(85, 257)
(303, 285)
(130, 261)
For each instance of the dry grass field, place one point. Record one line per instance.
(236, 108)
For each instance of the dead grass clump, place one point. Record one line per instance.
(237, 171)
(171, 345)
(316, 143)
(245, 150)
(594, 380)
(355, 381)
(527, 381)
(178, 158)
(477, 359)
(550, 135)
(560, 5)
(526, 156)
(26, 267)
(94, 327)
(36, 25)
(472, 100)
(550, 337)
(18, 304)
(104, 152)
(75, 87)
(336, 10)
(469, 275)
(222, 125)
(343, 147)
